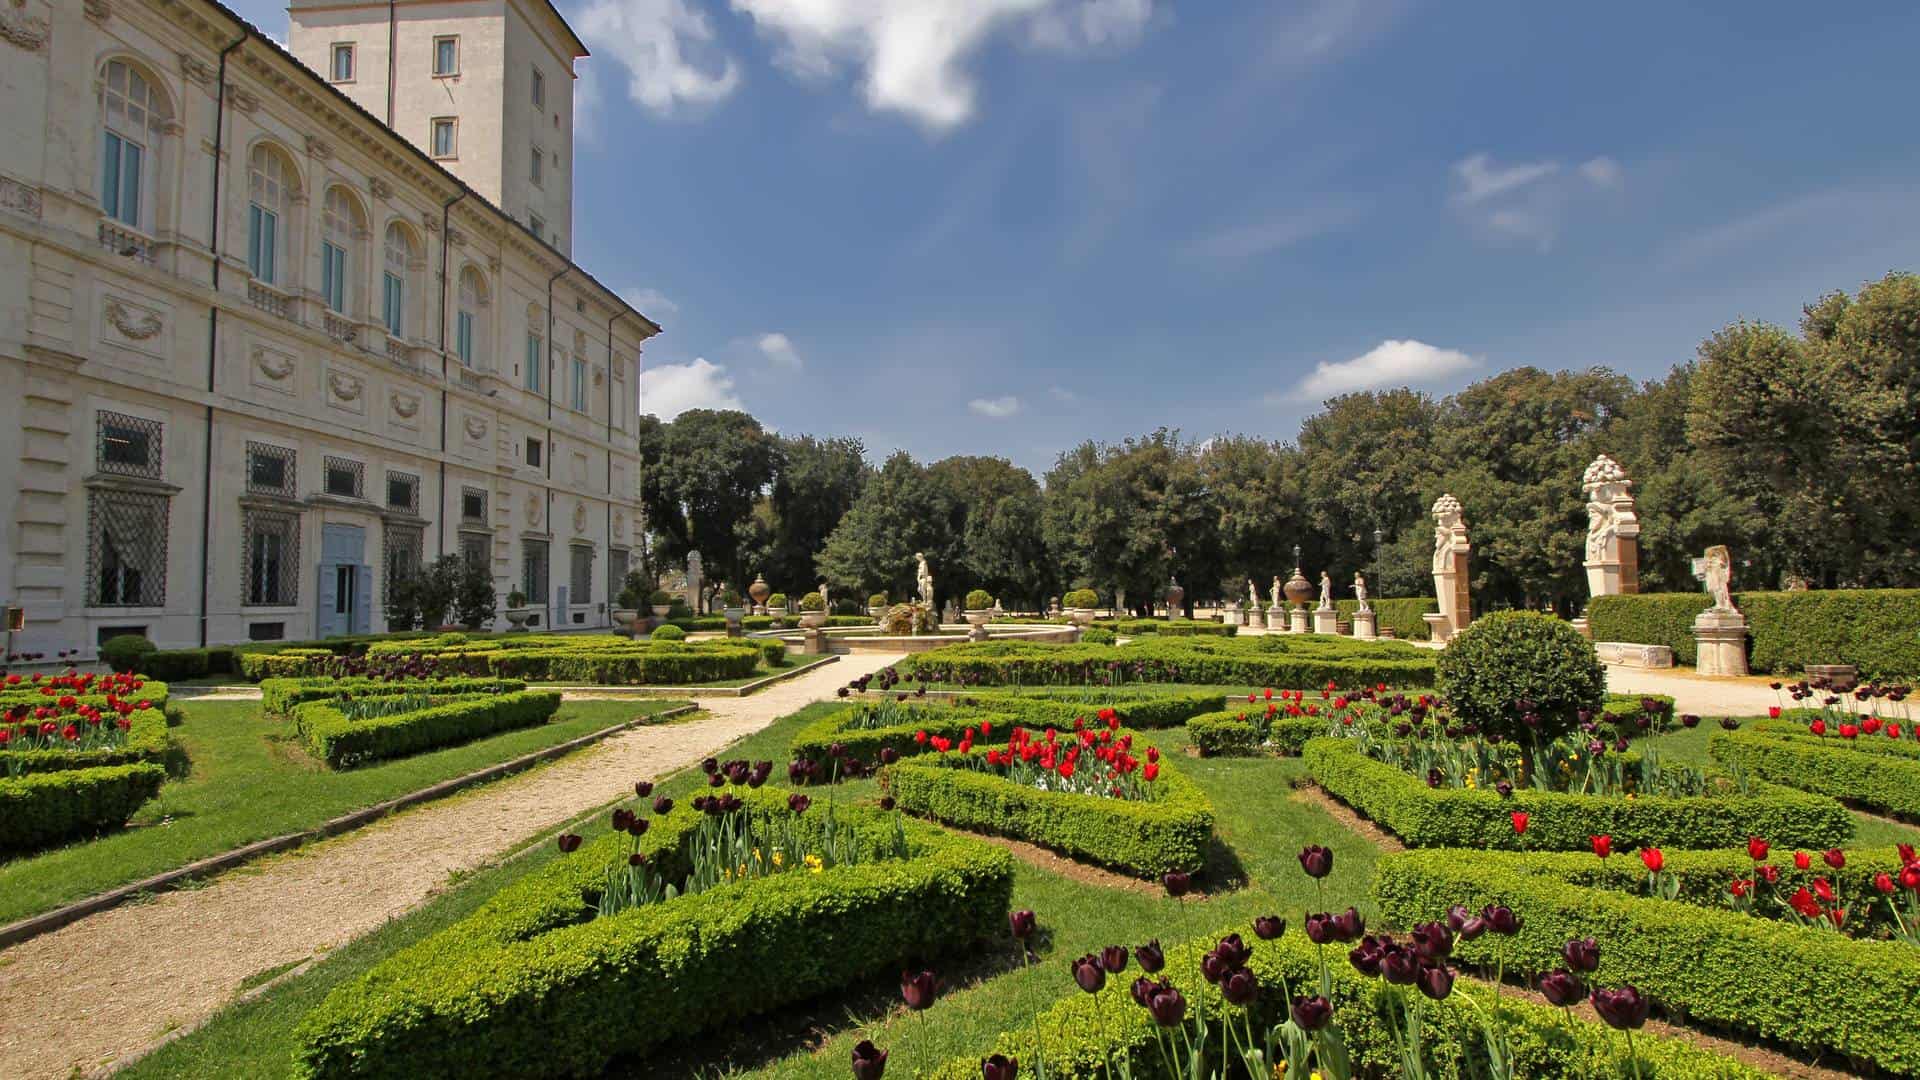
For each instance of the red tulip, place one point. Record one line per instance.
(1773, 713)
(1834, 857)
(1802, 860)
(1757, 849)
(1520, 820)
(1654, 861)
(1603, 845)
(1884, 883)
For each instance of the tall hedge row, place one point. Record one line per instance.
(1402, 614)
(1875, 630)
(1872, 771)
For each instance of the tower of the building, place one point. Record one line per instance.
(483, 86)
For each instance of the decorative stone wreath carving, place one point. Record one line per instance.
(274, 365)
(476, 428)
(135, 326)
(344, 386)
(579, 517)
(405, 406)
(25, 31)
(18, 197)
(533, 509)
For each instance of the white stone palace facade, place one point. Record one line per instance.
(277, 325)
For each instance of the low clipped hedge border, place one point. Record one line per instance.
(1000, 710)
(44, 808)
(1239, 661)
(1873, 772)
(1876, 630)
(1144, 838)
(1806, 988)
(605, 662)
(1167, 627)
(146, 739)
(1480, 818)
(279, 696)
(1233, 733)
(1082, 1030)
(529, 985)
(342, 742)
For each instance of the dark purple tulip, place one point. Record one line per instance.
(1177, 882)
(888, 755)
(1457, 917)
(1624, 1008)
(1505, 789)
(1434, 778)
(1581, 954)
(716, 780)
(1268, 927)
(798, 803)
(637, 826)
(1500, 919)
(569, 843)
(1399, 965)
(799, 770)
(1435, 981)
(737, 771)
(709, 766)
(1142, 989)
(1240, 988)
(1087, 972)
(869, 1061)
(999, 1067)
(1433, 941)
(1022, 923)
(759, 775)
(1312, 1013)
(1214, 967)
(1320, 929)
(917, 989)
(1114, 959)
(643, 788)
(837, 750)
(663, 805)
(1729, 723)
(1562, 987)
(1233, 950)
(1621, 744)
(1689, 720)
(1316, 860)
(622, 817)
(886, 802)
(1349, 925)
(1365, 957)
(638, 858)
(1150, 957)
(1166, 1005)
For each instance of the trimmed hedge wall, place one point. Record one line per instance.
(1146, 838)
(1082, 1030)
(530, 985)
(1808, 988)
(44, 808)
(1306, 662)
(1480, 818)
(1875, 630)
(1167, 627)
(602, 659)
(1003, 711)
(1871, 771)
(286, 664)
(1403, 616)
(146, 739)
(342, 742)
(279, 696)
(1233, 732)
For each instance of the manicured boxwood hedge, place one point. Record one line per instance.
(1876, 630)
(1082, 1030)
(39, 809)
(1234, 732)
(1812, 989)
(1002, 711)
(1147, 838)
(599, 659)
(342, 742)
(279, 696)
(1871, 771)
(1305, 662)
(1481, 818)
(1402, 615)
(528, 985)
(284, 664)
(1167, 627)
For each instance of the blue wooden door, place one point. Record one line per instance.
(345, 586)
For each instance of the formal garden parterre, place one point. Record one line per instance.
(79, 754)
(1305, 661)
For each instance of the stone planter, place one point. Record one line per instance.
(625, 616)
(979, 616)
(661, 611)
(812, 620)
(877, 613)
(517, 617)
(1081, 617)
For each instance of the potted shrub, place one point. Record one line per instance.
(777, 604)
(877, 607)
(662, 603)
(1080, 604)
(813, 610)
(979, 607)
(731, 607)
(517, 610)
(626, 606)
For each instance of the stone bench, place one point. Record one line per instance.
(1632, 655)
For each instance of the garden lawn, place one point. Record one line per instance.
(251, 780)
(1261, 825)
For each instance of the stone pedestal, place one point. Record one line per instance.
(977, 632)
(1326, 621)
(1586, 631)
(1721, 638)
(815, 643)
(1439, 627)
(1365, 627)
(1298, 620)
(1230, 614)
(1276, 619)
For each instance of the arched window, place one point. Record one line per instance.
(466, 327)
(400, 257)
(133, 113)
(341, 226)
(270, 184)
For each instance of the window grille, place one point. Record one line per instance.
(126, 549)
(403, 491)
(346, 477)
(270, 469)
(128, 445)
(533, 571)
(404, 547)
(270, 558)
(473, 504)
(580, 580)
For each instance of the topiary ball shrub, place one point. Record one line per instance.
(979, 600)
(126, 651)
(1512, 657)
(1081, 598)
(668, 632)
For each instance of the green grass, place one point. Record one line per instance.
(250, 780)
(1261, 826)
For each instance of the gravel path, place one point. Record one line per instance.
(1708, 696)
(110, 986)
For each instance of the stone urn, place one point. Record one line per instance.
(517, 617)
(760, 590)
(1299, 590)
(878, 613)
(1081, 617)
(661, 611)
(813, 620)
(625, 616)
(979, 616)
(1176, 599)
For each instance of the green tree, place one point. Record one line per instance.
(902, 511)
(1255, 491)
(995, 509)
(705, 472)
(1366, 460)
(818, 481)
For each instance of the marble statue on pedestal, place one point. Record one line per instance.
(826, 602)
(1360, 593)
(923, 578)
(1253, 596)
(1326, 591)
(1715, 571)
(1613, 530)
(1450, 575)
(1277, 593)
(1720, 632)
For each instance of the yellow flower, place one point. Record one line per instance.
(779, 858)
(815, 864)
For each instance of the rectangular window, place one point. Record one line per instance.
(580, 581)
(392, 307)
(474, 545)
(333, 276)
(539, 89)
(536, 226)
(342, 70)
(263, 226)
(446, 55)
(533, 453)
(536, 171)
(473, 504)
(129, 445)
(616, 573)
(271, 558)
(463, 338)
(267, 631)
(126, 549)
(533, 571)
(536, 362)
(405, 550)
(269, 469)
(580, 384)
(444, 145)
(403, 491)
(345, 477)
(120, 180)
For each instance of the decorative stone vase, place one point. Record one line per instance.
(1299, 590)
(517, 617)
(1176, 600)
(733, 616)
(661, 611)
(1081, 617)
(625, 616)
(812, 620)
(979, 616)
(878, 613)
(760, 590)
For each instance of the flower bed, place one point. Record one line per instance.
(600, 659)
(78, 754)
(865, 728)
(279, 696)
(1866, 769)
(1805, 987)
(1481, 817)
(1282, 722)
(532, 985)
(348, 732)
(1085, 794)
(1307, 661)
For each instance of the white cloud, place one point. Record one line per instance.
(997, 408)
(650, 302)
(668, 390)
(1527, 201)
(1480, 180)
(1063, 395)
(1274, 233)
(913, 55)
(779, 350)
(1602, 172)
(667, 48)
(1388, 364)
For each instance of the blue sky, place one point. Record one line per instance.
(1002, 226)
